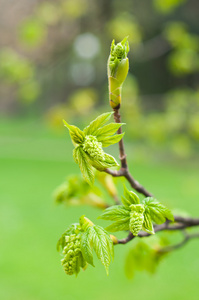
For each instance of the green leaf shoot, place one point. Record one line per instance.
(116, 213)
(119, 226)
(76, 134)
(131, 197)
(102, 244)
(158, 212)
(147, 224)
(93, 127)
(107, 130)
(86, 247)
(85, 166)
(88, 152)
(108, 141)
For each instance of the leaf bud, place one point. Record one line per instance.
(118, 66)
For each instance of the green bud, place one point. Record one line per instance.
(136, 218)
(118, 66)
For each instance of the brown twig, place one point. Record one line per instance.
(124, 166)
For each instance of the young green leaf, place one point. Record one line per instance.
(76, 154)
(115, 213)
(147, 224)
(102, 165)
(102, 244)
(92, 128)
(107, 130)
(86, 247)
(110, 140)
(119, 226)
(131, 196)
(109, 159)
(158, 212)
(126, 202)
(76, 134)
(85, 166)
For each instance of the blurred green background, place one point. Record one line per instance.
(53, 58)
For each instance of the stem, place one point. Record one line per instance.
(117, 119)
(124, 166)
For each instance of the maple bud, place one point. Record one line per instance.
(118, 66)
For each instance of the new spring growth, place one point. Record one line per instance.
(88, 152)
(118, 66)
(78, 242)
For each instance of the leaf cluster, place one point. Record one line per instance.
(88, 152)
(93, 237)
(150, 209)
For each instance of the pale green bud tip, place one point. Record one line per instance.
(117, 54)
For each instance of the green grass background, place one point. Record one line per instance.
(33, 161)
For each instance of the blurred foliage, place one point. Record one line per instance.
(18, 71)
(144, 255)
(15, 68)
(184, 59)
(56, 63)
(167, 6)
(129, 26)
(76, 191)
(32, 32)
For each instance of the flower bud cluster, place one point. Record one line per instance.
(136, 218)
(72, 254)
(93, 147)
(117, 54)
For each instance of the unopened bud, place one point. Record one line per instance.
(118, 66)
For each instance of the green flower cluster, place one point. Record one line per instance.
(73, 258)
(136, 218)
(93, 147)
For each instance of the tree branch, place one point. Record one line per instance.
(182, 223)
(124, 167)
(187, 237)
(117, 119)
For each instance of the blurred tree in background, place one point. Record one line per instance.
(53, 62)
